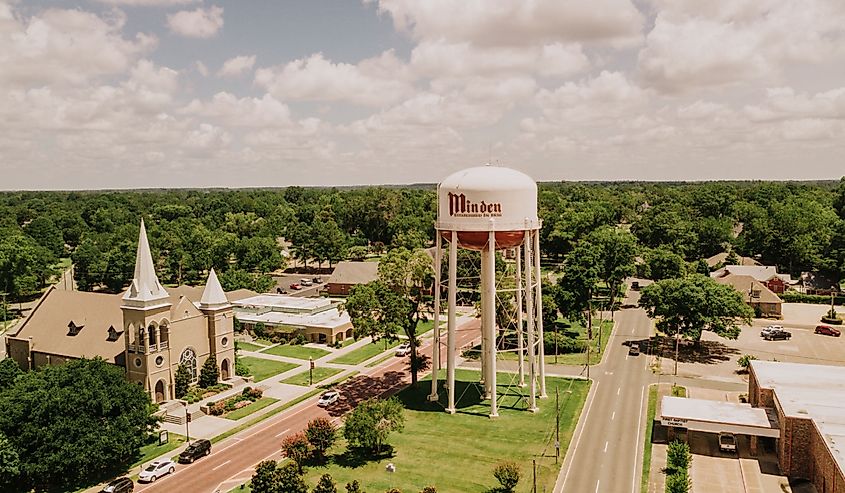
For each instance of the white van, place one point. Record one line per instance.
(305, 282)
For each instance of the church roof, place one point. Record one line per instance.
(145, 290)
(213, 295)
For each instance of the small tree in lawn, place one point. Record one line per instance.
(182, 381)
(678, 482)
(209, 373)
(393, 490)
(321, 434)
(353, 487)
(678, 457)
(289, 479)
(507, 474)
(429, 489)
(265, 479)
(370, 423)
(744, 362)
(325, 485)
(296, 448)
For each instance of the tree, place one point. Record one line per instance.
(329, 242)
(679, 482)
(9, 371)
(429, 489)
(370, 423)
(209, 373)
(507, 474)
(325, 485)
(57, 409)
(695, 303)
(321, 434)
(662, 263)
(353, 487)
(25, 266)
(45, 233)
(290, 479)
(576, 286)
(182, 380)
(265, 479)
(744, 362)
(616, 251)
(296, 448)
(358, 253)
(10, 463)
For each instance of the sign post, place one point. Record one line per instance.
(310, 371)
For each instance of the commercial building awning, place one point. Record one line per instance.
(717, 417)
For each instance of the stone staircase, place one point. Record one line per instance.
(175, 412)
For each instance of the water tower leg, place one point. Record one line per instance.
(485, 321)
(490, 329)
(539, 295)
(520, 346)
(450, 337)
(435, 345)
(529, 310)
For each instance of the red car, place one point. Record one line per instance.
(295, 286)
(827, 330)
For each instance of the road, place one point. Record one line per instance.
(605, 455)
(232, 460)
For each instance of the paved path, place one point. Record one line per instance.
(605, 455)
(232, 460)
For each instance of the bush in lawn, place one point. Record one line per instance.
(744, 362)
(182, 381)
(370, 422)
(218, 408)
(252, 394)
(259, 330)
(296, 448)
(678, 457)
(565, 344)
(507, 474)
(209, 374)
(325, 485)
(300, 339)
(321, 434)
(678, 482)
(353, 487)
(289, 479)
(429, 489)
(393, 490)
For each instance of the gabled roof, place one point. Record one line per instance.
(720, 258)
(213, 295)
(145, 290)
(354, 273)
(760, 272)
(747, 286)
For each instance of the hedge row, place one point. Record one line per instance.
(816, 299)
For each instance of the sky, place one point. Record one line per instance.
(270, 93)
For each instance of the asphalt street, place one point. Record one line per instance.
(605, 455)
(231, 461)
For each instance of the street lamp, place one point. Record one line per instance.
(187, 420)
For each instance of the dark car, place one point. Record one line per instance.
(777, 334)
(195, 450)
(634, 349)
(119, 485)
(827, 330)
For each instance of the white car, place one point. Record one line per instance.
(329, 397)
(156, 469)
(403, 349)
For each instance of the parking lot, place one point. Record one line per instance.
(284, 281)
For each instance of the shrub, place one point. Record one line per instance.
(429, 489)
(370, 422)
(209, 374)
(678, 457)
(183, 380)
(744, 362)
(507, 474)
(218, 409)
(816, 299)
(678, 482)
(353, 487)
(321, 434)
(565, 344)
(299, 339)
(296, 448)
(325, 485)
(260, 330)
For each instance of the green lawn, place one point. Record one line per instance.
(248, 346)
(264, 342)
(381, 360)
(247, 410)
(265, 368)
(294, 351)
(364, 353)
(421, 458)
(320, 374)
(679, 391)
(153, 450)
(269, 414)
(649, 425)
(425, 327)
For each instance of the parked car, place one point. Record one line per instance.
(119, 485)
(635, 285)
(403, 349)
(727, 442)
(317, 280)
(295, 287)
(776, 334)
(329, 397)
(634, 349)
(197, 449)
(306, 282)
(827, 330)
(156, 469)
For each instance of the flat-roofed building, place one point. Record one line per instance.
(318, 319)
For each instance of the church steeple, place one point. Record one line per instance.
(145, 291)
(213, 296)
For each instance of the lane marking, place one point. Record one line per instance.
(282, 433)
(573, 450)
(221, 465)
(613, 416)
(597, 485)
(618, 390)
(605, 447)
(640, 431)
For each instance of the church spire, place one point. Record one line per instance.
(145, 290)
(213, 295)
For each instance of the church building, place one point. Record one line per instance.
(147, 330)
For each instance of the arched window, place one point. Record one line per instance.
(189, 359)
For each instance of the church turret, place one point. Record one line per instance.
(221, 328)
(145, 291)
(213, 297)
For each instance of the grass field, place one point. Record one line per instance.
(247, 410)
(248, 346)
(320, 374)
(466, 464)
(255, 421)
(293, 351)
(153, 450)
(364, 353)
(652, 409)
(265, 368)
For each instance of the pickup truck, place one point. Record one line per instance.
(774, 334)
(727, 442)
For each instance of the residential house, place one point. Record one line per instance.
(759, 297)
(347, 274)
(765, 274)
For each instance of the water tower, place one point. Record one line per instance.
(485, 209)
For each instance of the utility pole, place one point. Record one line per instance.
(310, 371)
(534, 475)
(557, 423)
(677, 344)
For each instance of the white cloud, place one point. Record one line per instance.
(517, 22)
(66, 46)
(226, 108)
(375, 81)
(237, 66)
(199, 23)
(148, 3)
(201, 68)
